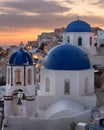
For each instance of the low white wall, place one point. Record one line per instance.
(23, 123)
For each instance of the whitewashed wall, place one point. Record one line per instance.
(75, 35)
(22, 123)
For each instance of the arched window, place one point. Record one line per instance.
(86, 86)
(17, 76)
(18, 99)
(8, 76)
(68, 39)
(66, 87)
(29, 76)
(47, 87)
(80, 41)
(90, 41)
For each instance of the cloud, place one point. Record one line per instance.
(37, 6)
(7, 35)
(22, 21)
(99, 2)
(93, 20)
(30, 14)
(25, 14)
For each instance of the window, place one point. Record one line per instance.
(86, 86)
(68, 39)
(8, 76)
(80, 41)
(29, 77)
(90, 41)
(47, 87)
(17, 76)
(66, 87)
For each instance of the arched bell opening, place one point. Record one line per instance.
(18, 102)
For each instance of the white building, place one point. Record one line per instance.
(19, 99)
(100, 39)
(66, 90)
(79, 33)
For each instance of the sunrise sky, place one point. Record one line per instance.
(24, 20)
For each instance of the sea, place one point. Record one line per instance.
(5, 47)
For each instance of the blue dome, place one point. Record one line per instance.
(20, 58)
(67, 57)
(78, 26)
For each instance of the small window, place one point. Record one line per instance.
(67, 87)
(68, 39)
(90, 41)
(47, 87)
(17, 76)
(29, 76)
(86, 86)
(80, 41)
(8, 76)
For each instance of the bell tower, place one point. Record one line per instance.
(20, 96)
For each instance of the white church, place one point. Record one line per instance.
(66, 91)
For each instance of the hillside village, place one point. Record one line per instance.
(58, 78)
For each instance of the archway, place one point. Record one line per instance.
(19, 107)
